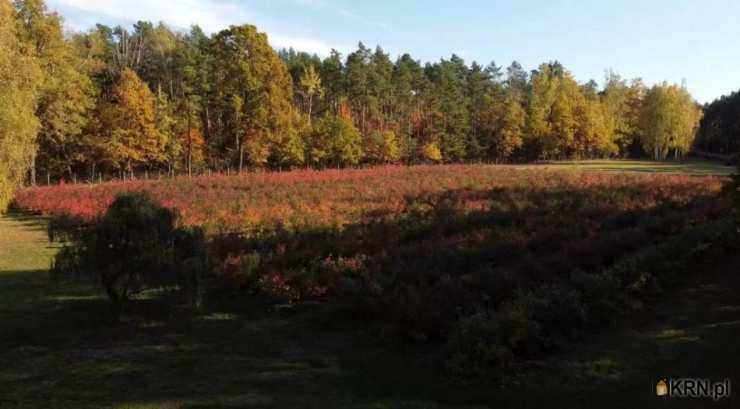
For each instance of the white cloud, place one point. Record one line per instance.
(211, 15)
(302, 44)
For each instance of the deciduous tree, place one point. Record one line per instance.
(20, 77)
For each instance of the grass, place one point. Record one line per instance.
(23, 244)
(693, 167)
(56, 349)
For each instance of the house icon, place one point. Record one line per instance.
(661, 389)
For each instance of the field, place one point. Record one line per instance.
(375, 288)
(691, 167)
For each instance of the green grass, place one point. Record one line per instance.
(690, 167)
(57, 350)
(23, 244)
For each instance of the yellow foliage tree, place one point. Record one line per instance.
(126, 132)
(254, 98)
(19, 76)
(431, 152)
(669, 121)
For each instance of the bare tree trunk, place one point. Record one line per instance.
(241, 158)
(33, 169)
(190, 146)
(310, 108)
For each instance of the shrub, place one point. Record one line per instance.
(419, 252)
(135, 245)
(476, 345)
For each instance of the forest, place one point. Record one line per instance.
(113, 101)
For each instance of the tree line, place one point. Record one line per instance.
(720, 128)
(113, 100)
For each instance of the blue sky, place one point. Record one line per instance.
(658, 40)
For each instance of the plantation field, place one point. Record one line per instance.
(315, 198)
(394, 286)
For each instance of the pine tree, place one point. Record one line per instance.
(332, 75)
(449, 108)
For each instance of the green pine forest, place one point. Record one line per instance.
(114, 101)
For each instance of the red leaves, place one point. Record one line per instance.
(311, 199)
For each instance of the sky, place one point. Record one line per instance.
(656, 40)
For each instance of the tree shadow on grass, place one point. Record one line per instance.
(28, 221)
(62, 350)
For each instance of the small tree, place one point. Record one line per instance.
(335, 141)
(431, 153)
(135, 245)
(382, 147)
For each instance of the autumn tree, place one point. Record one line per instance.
(335, 141)
(230, 100)
(20, 77)
(382, 147)
(252, 100)
(668, 121)
(502, 122)
(127, 133)
(66, 91)
(430, 152)
(543, 91)
(622, 106)
(310, 88)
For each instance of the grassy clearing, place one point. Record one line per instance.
(23, 244)
(688, 167)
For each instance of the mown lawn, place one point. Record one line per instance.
(24, 244)
(694, 167)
